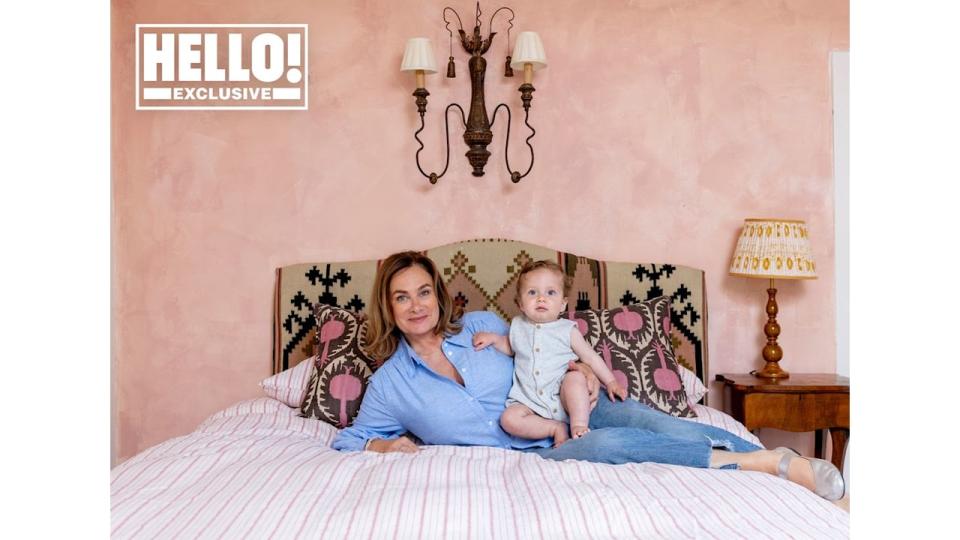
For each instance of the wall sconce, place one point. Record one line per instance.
(527, 55)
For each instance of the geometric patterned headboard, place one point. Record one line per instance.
(481, 275)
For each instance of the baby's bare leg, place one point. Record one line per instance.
(520, 421)
(575, 399)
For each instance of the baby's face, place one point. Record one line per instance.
(541, 295)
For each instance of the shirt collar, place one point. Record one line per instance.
(410, 354)
(463, 339)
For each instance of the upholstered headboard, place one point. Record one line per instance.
(481, 275)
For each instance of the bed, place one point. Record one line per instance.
(259, 469)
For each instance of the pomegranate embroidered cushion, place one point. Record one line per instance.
(634, 342)
(341, 367)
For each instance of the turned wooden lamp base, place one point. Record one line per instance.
(772, 353)
(772, 371)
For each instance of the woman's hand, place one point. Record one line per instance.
(400, 444)
(593, 383)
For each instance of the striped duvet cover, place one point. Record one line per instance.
(257, 470)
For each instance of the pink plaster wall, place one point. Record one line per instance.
(661, 126)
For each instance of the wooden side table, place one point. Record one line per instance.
(804, 402)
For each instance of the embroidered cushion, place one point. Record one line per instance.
(634, 342)
(341, 367)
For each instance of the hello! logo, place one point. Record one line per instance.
(221, 66)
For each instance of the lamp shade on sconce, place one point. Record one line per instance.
(418, 56)
(773, 248)
(528, 50)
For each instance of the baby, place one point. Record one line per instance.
(544, 393)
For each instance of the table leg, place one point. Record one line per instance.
(818, 443)
(839, 438)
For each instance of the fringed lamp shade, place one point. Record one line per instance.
(773, 248)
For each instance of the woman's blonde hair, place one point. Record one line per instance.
(383, 336)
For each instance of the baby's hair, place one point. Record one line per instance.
(549, 265)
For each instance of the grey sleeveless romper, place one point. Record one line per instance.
(541, 353)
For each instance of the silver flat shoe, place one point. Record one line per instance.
(827, 479)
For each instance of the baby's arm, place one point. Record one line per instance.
(592, 359)
(482, 340)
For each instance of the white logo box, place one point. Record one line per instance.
(221, 66)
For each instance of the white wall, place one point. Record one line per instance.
(840, 75)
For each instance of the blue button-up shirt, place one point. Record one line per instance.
(405, 395)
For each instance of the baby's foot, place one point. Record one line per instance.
(579, 431)
(559, 434)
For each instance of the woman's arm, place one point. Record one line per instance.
(375, 427)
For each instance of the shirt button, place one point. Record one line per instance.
(489, 422)
(541, 392)
(538, 326)
(554, 411)
(537, 349)
(537, 372)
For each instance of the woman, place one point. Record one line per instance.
(437, 387)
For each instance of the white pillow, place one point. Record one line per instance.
(692, 385)
(289, 385)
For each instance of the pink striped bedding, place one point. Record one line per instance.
(257, 470)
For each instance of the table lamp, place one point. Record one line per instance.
(773, 249)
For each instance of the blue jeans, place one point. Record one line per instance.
(631, 432)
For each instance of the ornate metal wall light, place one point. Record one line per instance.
(527, 55)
